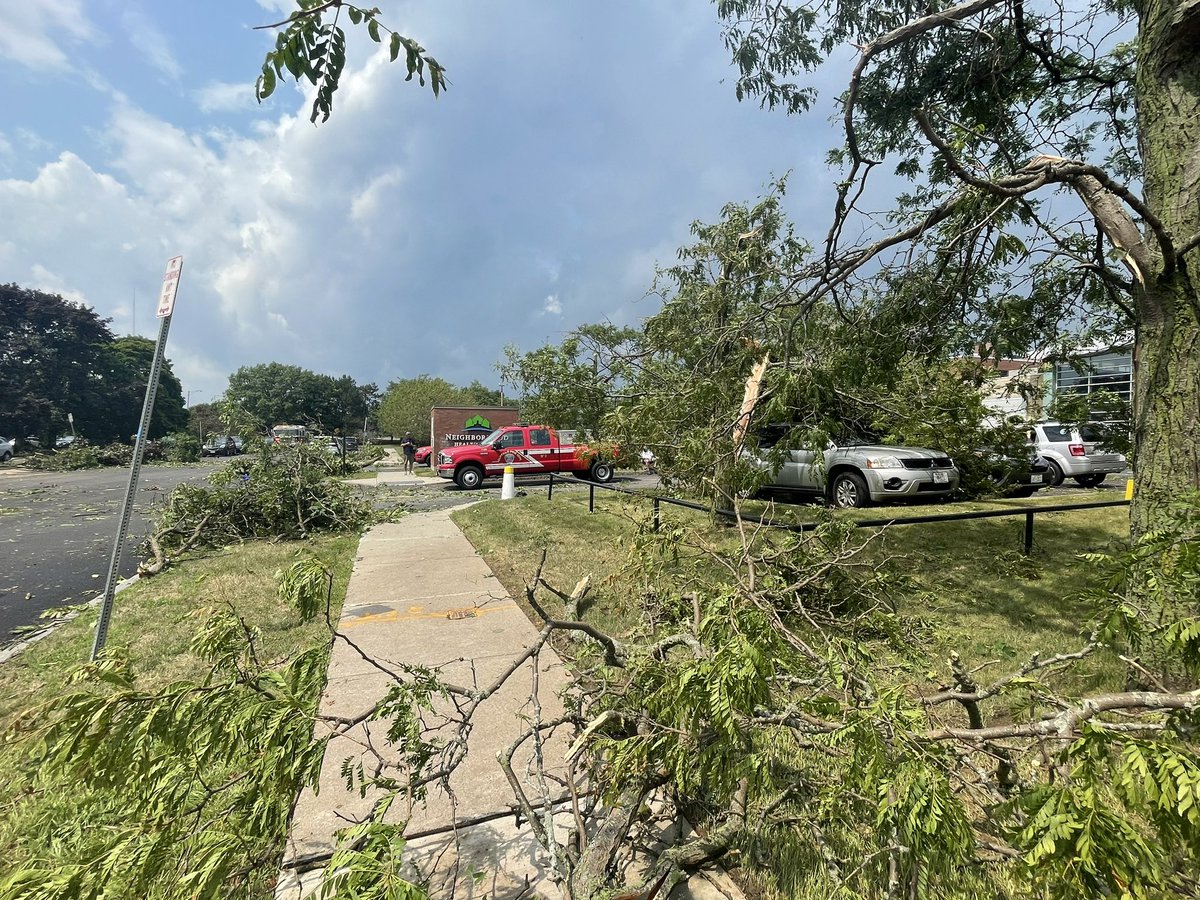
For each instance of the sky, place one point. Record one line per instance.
(574, 147)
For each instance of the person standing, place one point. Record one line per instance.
(409, 446)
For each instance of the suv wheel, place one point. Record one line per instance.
(1054, 474)
(849, 491)
(1091, 480)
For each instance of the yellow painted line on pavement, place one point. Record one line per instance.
(395, 615)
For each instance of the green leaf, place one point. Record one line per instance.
(356, 15)
(373, 30)
(395, 46)
(266, 84)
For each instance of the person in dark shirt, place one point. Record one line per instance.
(409, 446)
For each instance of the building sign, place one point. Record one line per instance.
(475, 429)
(453, 425)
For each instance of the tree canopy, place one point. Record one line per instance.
(571, 384)
(58, 358)
(275, 393)
(988, 112)
(407, 402)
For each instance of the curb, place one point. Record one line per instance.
(24, 643)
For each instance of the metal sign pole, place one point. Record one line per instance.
(166, 306)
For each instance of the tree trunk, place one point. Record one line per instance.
(1166, 407)
(1166, 359)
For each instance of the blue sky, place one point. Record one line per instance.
(407, 235)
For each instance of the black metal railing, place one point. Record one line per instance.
(1027, 511)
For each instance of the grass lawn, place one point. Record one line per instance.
(967, 584)
(153, 622)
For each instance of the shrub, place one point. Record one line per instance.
(182, 446)
(277, 493)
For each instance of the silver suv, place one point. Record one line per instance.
(855, 475)
(1072, 453)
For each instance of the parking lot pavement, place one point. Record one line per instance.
(57, 531)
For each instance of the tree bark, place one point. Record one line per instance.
(1166, 359)
(1166, 404)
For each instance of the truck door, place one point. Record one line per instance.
(542, 450)
(512, 450)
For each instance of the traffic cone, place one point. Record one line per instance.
(508, 488)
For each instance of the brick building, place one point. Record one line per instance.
(450, 426)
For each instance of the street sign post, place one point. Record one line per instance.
(166, 306)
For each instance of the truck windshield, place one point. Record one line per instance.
(491, 438)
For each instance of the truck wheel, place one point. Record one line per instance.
(1054, 475)
(469, 477)
(1093, 479)
(601, 472)
(849, 491)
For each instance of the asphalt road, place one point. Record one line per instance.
(57, 531)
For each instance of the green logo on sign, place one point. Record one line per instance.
(477, 422)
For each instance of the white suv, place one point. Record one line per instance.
(1072, 453)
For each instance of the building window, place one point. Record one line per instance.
(1111, 372)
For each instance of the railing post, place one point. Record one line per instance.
(656, 520)
(591, 497)
(1029, 532)
(550, 487)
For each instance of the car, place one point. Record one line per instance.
(6, 449)
(422, 455)
(849, 474)
(64, 442)
(1074, 453)
(222, 445)
(1016, 475)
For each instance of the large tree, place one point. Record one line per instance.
(570, 384)
(128, 361)
(992, 110)
(51, 362)
(406, 405)
(59, 358)
(274, 393)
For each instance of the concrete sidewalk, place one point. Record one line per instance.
(419, 595)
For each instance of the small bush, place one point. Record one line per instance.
(78, 456)
(280, 493)
(182, 447)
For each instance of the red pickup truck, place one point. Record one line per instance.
(529, 449)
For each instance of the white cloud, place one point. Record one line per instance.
(365, 205)
(224, 96)
(260, 282)
(39, 35)
(407, 234)
(43, 279)
(150, 42)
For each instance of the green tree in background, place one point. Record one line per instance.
(129, 360)
(52, 362)
(570, 384)
(274, 393)
(59, 358)
(204, 419)
(406, 405)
